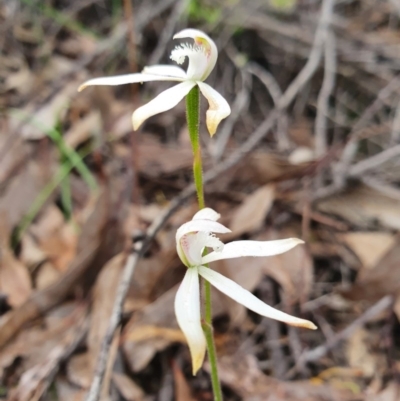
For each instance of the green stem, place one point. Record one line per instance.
(192, 116)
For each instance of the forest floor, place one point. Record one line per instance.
(310, 150)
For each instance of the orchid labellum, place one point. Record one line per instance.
(202, 56)
(191, 240)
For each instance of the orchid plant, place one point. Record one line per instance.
(192, 239)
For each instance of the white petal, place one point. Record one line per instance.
(218, 107)
(190, 248)
(164, 101)
(203, 40)
(126, 79)
(246, 298)
(165, 70)
(187, 310)
(207, 226)
(198, 60)
(237, 249)
(207, 214)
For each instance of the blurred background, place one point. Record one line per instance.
(310, 150)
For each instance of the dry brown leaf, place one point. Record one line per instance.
(104, 294)
(143, 333)
(122, 125)
(396, 307)
(17, 199)
(364, 207)
(46, 275)
(369, 247)
(182, 388)
(56, 237)
(47, 116)
(36, 380)
(12, 160)
(148, 276)
(55, 67)
(31, 255)
(250, 215)
(293, 270)
(358, 354)
(242, 374)
(67, 391)
(77, 45)
(264, 167)
(383, 279)
(79, 371)
(157, 158)
(390, 393)
(158, 314)
(32, 343)
(15, 281)
(93, 249)
(84, 129)
(81, 367)
(129, 390)
(21, 81)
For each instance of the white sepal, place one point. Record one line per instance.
(166, 100)
(126, 79)
(206, 226)
(238, 249)
(218, 107)
(187, 311)
(165, 71)
(246, 298)
(206, 214)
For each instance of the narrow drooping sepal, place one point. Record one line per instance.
(246, 298)
(218, 107)
(126, 79)
(187, 311)
(238, 249)
(164, 101)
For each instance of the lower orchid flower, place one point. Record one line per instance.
(191, 240)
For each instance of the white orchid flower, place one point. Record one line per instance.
(191, 240)
(202, 56)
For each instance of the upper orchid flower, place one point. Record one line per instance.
(202, 56)
(191, 240)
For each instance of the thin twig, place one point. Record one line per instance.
(267, 79)
(396, 125)
(381, 187)
(315, 56)
(241, 102)
(274, 90)
(374, 161)
(350, 150)
(324, 95)
(168, 31)
(320, 351)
